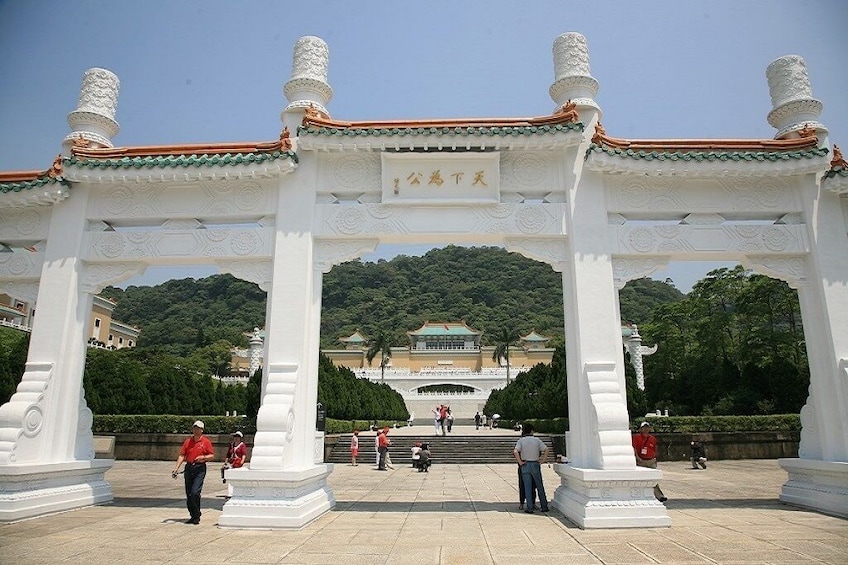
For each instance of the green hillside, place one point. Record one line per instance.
(487, 287)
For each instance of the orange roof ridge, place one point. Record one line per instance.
(566, 114)
(807, 140)
(19, 176)
(53, 172)
(80, 148)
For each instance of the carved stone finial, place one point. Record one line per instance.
(94, 116)
(838, 160)
(308, 84)
(793, 105)
(573, 80)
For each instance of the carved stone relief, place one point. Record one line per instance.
(328, 253)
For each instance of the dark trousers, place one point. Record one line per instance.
(194, 475)
(382, 451)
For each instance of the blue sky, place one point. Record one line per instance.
(212, 71)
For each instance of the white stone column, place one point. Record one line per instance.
(818, 478)
(46, 445)
(282, 486)
(601, 487)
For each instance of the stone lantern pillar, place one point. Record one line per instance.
(256, 345)
(94, 118)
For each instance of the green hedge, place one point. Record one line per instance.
(169, 424)
(688, 424)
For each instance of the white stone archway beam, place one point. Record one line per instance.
(468, 224)
(723, 242)
(179, 242)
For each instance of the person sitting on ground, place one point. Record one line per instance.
(699, 454)
(424, 461)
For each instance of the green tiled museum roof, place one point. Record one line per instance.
(836, 172)
(451, 329)
(355, 337)
(535, 336)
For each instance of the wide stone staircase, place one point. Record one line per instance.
(447, 449)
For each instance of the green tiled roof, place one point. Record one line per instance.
(30, 184)
(535, 336)
(212, 160)
(836, 172)
(437, 329)
(439, 131)
(729, 155)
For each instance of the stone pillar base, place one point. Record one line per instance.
(270, 500)
(621, 498)
(818, 485)
(36, 489)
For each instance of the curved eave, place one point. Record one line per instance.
(836, 180)
(712, 162)
(440, 138)
(170, 166)
(31, 188)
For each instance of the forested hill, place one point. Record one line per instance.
(487, 287)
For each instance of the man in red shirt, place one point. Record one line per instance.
(383, 444)
(645, 449)
(196, 451)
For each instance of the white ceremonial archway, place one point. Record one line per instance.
(556, 188)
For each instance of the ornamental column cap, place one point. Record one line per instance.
(793, 105)
(573, 78)
(308, 84)
(93, 120)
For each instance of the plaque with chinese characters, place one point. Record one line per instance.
(440, 178)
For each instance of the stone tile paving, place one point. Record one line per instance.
(726, 514)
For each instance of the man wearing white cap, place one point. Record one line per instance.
(196, 451)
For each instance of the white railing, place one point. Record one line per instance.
(16, 325)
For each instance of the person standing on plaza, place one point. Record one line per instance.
(450, 420)
(477, 420)
(354, 447)
(443, 418)
(195, 452)
(645, 449)
(531, 453)
(383, 444)
(377, 447)
(436, 419)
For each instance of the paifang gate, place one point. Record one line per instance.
(556, 188)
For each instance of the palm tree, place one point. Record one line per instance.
(381, 345)
(504, 338)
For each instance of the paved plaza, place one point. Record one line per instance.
(728, 513)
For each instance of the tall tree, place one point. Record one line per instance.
(381, 345)
(504, 339)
